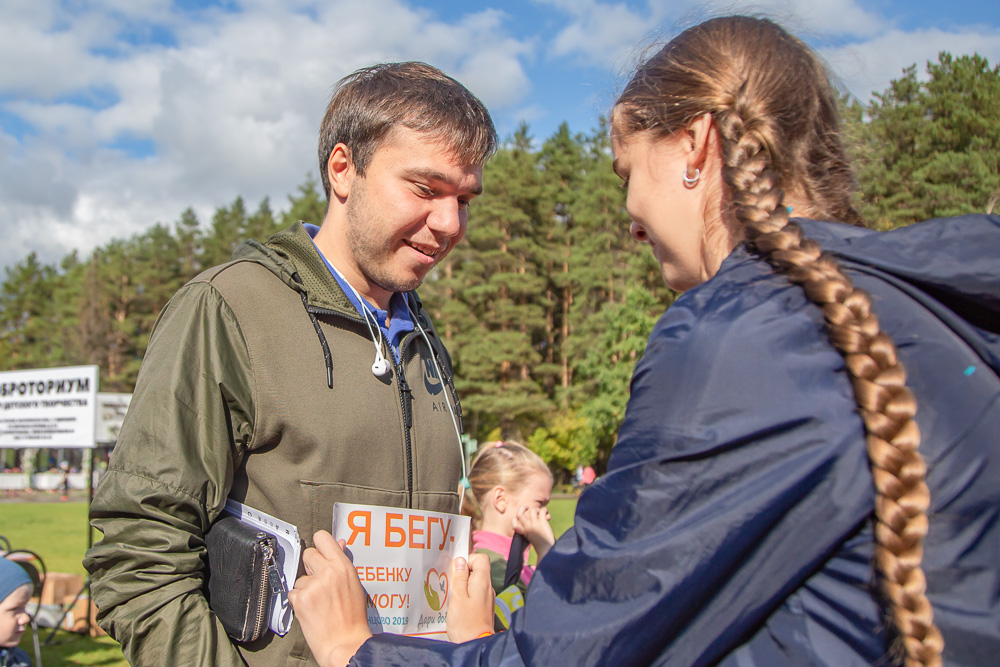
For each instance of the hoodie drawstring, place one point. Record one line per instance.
(327, 357)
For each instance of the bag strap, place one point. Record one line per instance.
(515, 559)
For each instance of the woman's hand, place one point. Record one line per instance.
(470, 611)
(533, 523)
(329, 603)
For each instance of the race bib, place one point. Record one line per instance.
(403, 559)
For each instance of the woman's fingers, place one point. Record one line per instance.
(480, 583)
(326, 545)
(470, 612)
(329, 602)
(326, 552)
(460, 577)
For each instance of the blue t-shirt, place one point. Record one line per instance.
(400, 323)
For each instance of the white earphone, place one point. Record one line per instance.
(380, 366)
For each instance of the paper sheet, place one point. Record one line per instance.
(403, 559)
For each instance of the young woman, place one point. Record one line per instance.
(808, 471)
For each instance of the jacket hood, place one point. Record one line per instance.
(291, 256)
(949, 265)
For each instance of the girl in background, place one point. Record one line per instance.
(511, 487)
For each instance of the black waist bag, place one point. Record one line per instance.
(242, 577)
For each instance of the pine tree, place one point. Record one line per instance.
(25, 315)
(262, 224)
(65, 306)
(226, 233)
(159, 268)
(308, 205)
(961, 167)
(563, 168)
(486, 296)
(188, 233)
(932, 149)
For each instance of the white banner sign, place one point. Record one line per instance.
(403, 558)
(48, 407)
(110, 415)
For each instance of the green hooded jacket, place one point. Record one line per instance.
(257, 385)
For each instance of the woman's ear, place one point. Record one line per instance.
(698, 140)
(340, 171)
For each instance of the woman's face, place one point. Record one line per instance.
(666, 214)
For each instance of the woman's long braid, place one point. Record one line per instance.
(886, 405)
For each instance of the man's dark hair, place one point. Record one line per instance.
(368, 104)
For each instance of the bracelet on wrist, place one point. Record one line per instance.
(485, 634)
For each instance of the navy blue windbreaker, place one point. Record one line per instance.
(734, 524)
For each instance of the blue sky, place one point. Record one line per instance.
(117, 114)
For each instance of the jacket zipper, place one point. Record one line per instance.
(405, 397)
(406, 400)
(336, 313)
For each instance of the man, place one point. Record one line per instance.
(292, 377)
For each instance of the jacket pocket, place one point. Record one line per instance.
(436, 501)
(321, 496)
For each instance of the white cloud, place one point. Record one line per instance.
(608, 34)
(232, 109)
(232, 105)
(611, 35)
(824, 18)
(871, 65)
(599, 33)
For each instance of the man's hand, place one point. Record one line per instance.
(329, 603)
(533, 523)
(470, 611)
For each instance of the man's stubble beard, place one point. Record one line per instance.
(368, 247)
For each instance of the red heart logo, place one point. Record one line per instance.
(436, 589)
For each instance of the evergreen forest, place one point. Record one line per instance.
(547, 304)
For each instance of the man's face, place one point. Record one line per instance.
(408, 211)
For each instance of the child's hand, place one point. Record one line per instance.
(533, 523)
(470, 612)
(329, 602)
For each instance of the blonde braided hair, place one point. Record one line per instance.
(776, 115)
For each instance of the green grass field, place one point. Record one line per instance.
(57, 531)
(562, 510)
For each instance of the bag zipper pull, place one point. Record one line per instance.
(273, 576)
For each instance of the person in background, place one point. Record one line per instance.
(15, 591)
(303, 373)
(511, 487)
(64, 481)
(808, 471)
